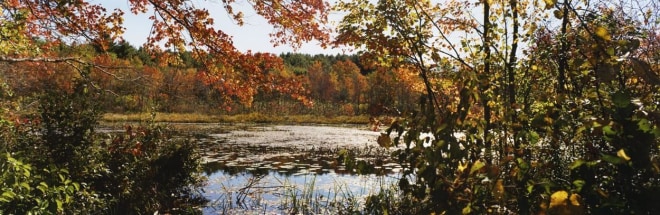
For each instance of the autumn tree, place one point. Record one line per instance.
(321, 84)
(180, 25)
(352, 82)
(142, 170)
(517, 88)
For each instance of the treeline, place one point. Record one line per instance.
(165, 81)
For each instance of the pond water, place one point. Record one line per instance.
(282, 169)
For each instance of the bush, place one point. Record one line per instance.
(59, 164)
(151, 171)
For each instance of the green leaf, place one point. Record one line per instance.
(534, 137)
(530, 186)
(43, 187)
(9, 194)
(25, 185)
(612, 159)
(610, 51)
(621, 99)
(576, 164)
(76, 185)
(477, 166)
(578, 184)
(607, 130)
(59, 205)
(522, 164)
(656, 132)
(644, 125)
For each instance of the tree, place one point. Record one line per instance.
(179, 25)
(520, 95)
(351, 81)
(322, 84)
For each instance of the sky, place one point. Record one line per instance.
(253, 35)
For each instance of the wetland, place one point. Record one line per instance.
(273, 169)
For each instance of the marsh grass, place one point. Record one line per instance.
(256, 197)
(237, 118)
(308, 199)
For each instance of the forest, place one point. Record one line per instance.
(524, 106)
(326, 85)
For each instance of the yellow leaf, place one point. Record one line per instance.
(462, 166)
(603, 34)
(467, 210)
(622, 154)
(558, 198)
(575, 199)
(549, 4)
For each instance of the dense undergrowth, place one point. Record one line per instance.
(54, 162)
(529, 114)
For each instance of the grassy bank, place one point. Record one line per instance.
(239, 118)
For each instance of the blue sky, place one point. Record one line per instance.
(253, 35)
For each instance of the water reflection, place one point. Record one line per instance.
(259, 169)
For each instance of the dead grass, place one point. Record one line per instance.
(239, 118)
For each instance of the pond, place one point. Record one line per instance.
(282, 169)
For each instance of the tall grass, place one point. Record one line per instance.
(338, 199)
(255, 196)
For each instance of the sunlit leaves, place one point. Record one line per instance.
(562, 203)
(295, 21)
(389, 29)
(603, 33)
(549, 4)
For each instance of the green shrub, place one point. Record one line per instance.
(27, 190)
(59, 165)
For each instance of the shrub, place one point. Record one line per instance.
(59, 164)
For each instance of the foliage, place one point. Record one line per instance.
(33, 191)
(56, 163)
(186, 29)
(150, 171)
(546, 129)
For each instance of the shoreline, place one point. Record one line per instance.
(236, 118)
